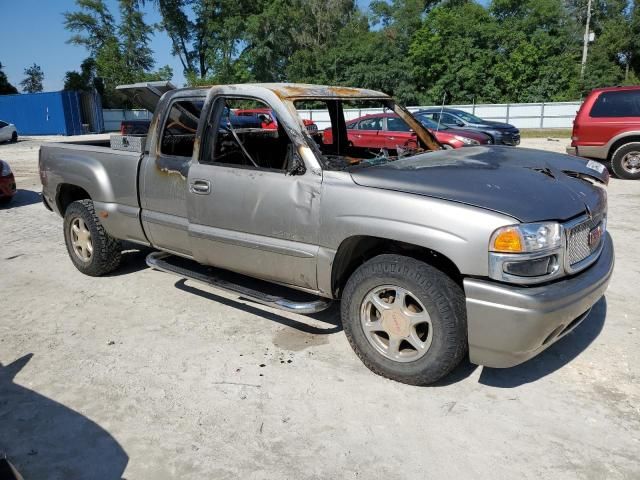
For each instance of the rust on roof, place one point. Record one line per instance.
(301, 90)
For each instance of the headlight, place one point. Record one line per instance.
(527, 238)
(526, 253)
(466, 141)
(5, 170)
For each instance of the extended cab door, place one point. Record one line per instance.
(163, 173)
(249, 211)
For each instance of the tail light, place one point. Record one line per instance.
(123, 129)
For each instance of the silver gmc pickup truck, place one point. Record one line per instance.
(433, 253)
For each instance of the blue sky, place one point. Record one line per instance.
(33, 31)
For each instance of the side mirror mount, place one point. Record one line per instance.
(459, 123)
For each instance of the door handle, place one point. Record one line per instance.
(201, 187)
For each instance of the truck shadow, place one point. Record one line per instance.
(554, 358)
(133, 259)
(330, 316)
(45, 439)
(22, 198)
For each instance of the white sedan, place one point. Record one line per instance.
(8, 132)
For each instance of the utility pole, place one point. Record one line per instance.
(585, 46)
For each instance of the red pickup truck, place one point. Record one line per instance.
(387, 130)
(607, 128)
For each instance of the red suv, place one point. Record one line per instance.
(607, 127)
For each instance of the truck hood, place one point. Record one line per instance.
(529, 185)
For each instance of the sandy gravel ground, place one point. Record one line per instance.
(142, 376)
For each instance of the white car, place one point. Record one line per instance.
(8, 132)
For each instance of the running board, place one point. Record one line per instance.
(157, 261)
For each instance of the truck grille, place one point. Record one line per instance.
(584, 239)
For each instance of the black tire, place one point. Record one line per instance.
(619, 163)
(106, 254)
(5, 200)
(443, 299)
(14, 137)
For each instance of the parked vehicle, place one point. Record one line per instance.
(8, 132)
(500, 133)
(134, 127)
(7, 183)
(432, 253)
(453, 137)
(607, 128)
(388, 130)
(268, 119)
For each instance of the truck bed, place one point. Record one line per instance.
(109, 177)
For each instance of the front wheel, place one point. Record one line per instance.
(91, 249)
(625, 161)
(405, 319)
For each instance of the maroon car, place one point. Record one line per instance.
(7, 183)
(387, 130)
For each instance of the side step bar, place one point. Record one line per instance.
(158, 261)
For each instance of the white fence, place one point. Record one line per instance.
(113, 117)
(522, 115)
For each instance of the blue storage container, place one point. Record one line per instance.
(49, 113)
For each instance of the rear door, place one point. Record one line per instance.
(398, 133)
(246, 213)
(367, 133)
(164, 171)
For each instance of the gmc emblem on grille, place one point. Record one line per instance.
(594, 236)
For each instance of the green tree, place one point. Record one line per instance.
(92, 25)
(538, 50)
(120, 52)
(5, 87)
(86, 79)
(453, 53)
(32, 82)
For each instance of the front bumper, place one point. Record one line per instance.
(7, 186)
(509, 325)
(508, 138)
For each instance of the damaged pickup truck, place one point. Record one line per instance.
(490, 250)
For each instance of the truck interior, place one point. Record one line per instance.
(253, 141)
(338, 150)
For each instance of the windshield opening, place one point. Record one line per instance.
(349, 132)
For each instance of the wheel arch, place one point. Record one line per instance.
(68, 193)
(356, 250)
(631, 138)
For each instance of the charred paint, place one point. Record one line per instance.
(172, 166)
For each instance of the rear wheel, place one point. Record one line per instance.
(405, 319)
(91, 249)
(14, 137)
(625, 161)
